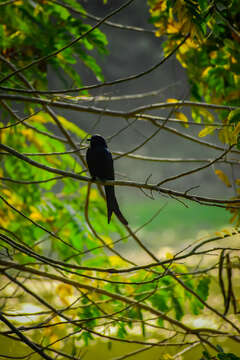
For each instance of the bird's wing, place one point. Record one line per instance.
(91, 162)
(108, 168)
(100, 163)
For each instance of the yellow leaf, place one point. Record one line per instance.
(54, 340)
(167, 357)
(206, 115)
(72, 127)
(158, 7)
(37, 10)
(53, 160)
(173, 27)
(32, 137)
(227, 136)
(65, 232)
(15, 34)
(158, 33)
(61, 57)
(237, 181)
(7, 192)
(223, 177)
(107, 240)
(3, 133)
(172, 100)
(42, 118)
(94, 195)
(236, 131)
(206, 71)
(206, 131)
(182, 117)
(219, 234)
(169, 255)
(116, 261)
(35, 214)
(228, 231)
(213, 54)
(4, 219)
(64, 291)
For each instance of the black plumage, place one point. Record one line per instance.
(100, 165)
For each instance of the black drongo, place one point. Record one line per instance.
(100, 165)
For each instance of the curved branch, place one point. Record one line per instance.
(153, 187)
(108, 23)
(24, 339)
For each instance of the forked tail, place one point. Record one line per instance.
(112, 205)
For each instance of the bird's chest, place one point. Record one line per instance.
(100, 163)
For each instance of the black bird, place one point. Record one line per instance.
(100, 165)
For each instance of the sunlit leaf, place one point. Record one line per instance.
(234, 116)
(171, 100)
(182, 117)
(72, 127)
(206, 131)
(222, 176)
(207, 116)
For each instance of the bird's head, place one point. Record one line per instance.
(97, 140)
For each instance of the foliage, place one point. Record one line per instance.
(210, 56)
(211, 50)
(222, 355)
(29, 30)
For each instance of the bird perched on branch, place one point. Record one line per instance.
(100, 165)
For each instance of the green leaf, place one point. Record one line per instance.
(86, 336)
(53, 25)
(203, 287)
(121, 333)
(91, 63)
(206, 355)
(177, 307)
(76, 5)
(159, 300)
(62, 11)
(72, 127)
(234, 116)
(219, 348)
(227, 356)
(238, 142)
(196, 306)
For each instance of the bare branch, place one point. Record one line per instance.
(196, 198)
(24, 339)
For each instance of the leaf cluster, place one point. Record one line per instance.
(210, 56)
(31, 30)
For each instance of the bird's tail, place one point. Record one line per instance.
(112, 205)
